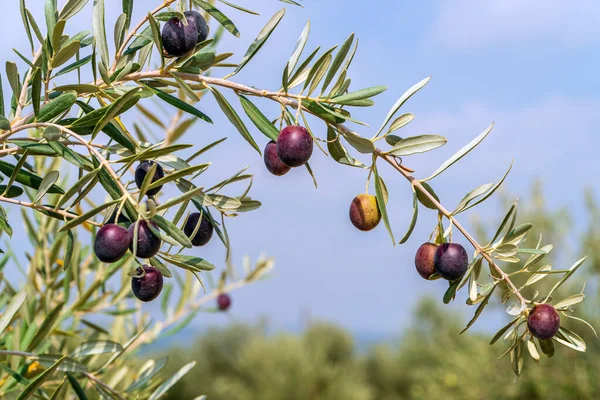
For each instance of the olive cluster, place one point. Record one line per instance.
(141, 238)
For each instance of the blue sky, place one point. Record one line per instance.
(531, 70)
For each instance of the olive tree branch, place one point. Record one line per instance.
(103, 162)
(290, 100)
(42, 208)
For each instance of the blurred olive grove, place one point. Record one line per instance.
(429, 360)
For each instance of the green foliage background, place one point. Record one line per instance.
(430, 360)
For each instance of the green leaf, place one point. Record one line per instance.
(350, 98)
(12, 73)
(174, 101)
(36, 91)
(19, 378)
(74, 66)
(392, 139)
(26, 178)
(239, 7)
(417, 144)
(191, 263)
(570, 301)
(11, 310)
(461, 153)
(13, 191)
(491, 192)
(502, 331)
(547, 347)
(572, 270)
(157, 38)
(25, 20)
(302, 72)
(93, 347)
(76, 387)
(317, 73)
(407, 95)
(143, 39)
(4, 123)
(71, 8)
(56, 107)
(81, 183)
(451, 292)
(300, 44)
(472, 195)
(65, 54)
(69, 251)
(172, 230)
(123, 103)
(234, 118)
(219, 17)
(423, 199)
(46, 327)
(379, 185)
(259, 119)
(51, 17)
(57, 34)
(260, 40)
(337, 61)
(401, 122)
(39, 381)
(99, 29)
(363, 145)
(71, 156)
(178, 174)
(87, 215)
(48, 181)
(413, 221)
(478, 312)
(148, 373)
(165, 386)
(338, 152)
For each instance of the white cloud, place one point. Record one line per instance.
(467, 24)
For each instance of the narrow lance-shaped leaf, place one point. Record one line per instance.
(96, 347)
(417, 144)
(407, 95)
(260, 40)
(13, 306)
(337, 61)
(413, 221)
(362, 94)
(300, 44)
(490, 192)
(259, 119)
(219, 17)
(26, 178)
(56, 107)
(472, 195)
(48, 181)
(87, 215)
(72, 7)
(461, 153)
(165, 386)
(174, 101)
(381, 203)
(39, 380)
(234, 118)
(99, 28)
